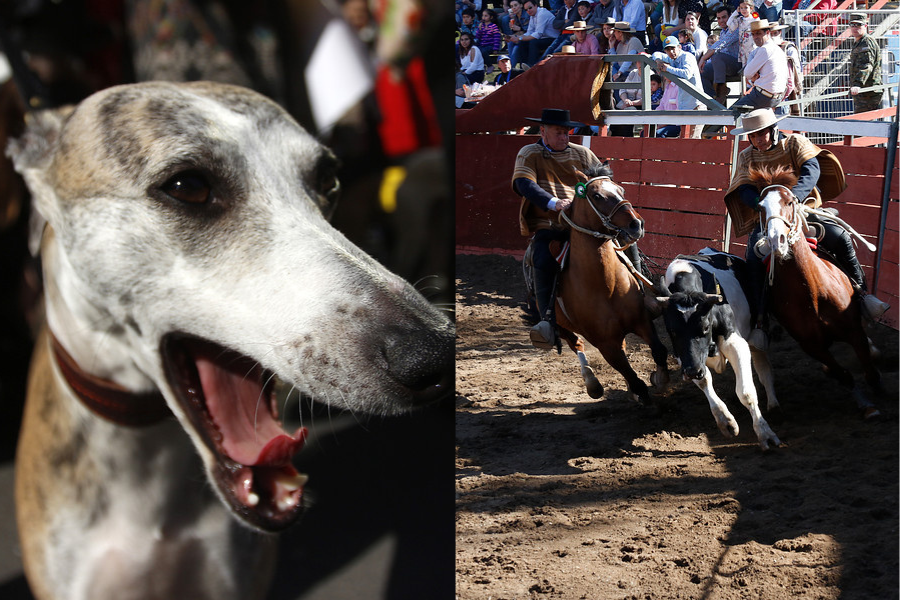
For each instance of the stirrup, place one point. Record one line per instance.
(543, 336)
(872, 307)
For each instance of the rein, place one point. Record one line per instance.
(581, 192)
(107, 399)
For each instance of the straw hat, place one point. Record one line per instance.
(761, 24)
(556, 116)
(577, 26)
(757, 120)
(624, 27)
(567, 49)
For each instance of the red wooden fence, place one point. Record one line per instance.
(677, 185)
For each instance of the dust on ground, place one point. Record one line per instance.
(563, 496)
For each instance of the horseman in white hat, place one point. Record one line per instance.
(819, 176)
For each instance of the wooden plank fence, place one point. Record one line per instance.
(677, 185)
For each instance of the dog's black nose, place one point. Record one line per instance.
(422, 361)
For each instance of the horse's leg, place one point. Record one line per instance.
(844, 377)
(724, 419)
(763, 369)
(594, 387)
(737, 351)
(615, 355)
(647, 332)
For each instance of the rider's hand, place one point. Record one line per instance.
(854, 90)
(562, 204)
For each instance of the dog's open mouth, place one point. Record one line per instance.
(229, 399)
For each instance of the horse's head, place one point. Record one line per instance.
(600, 204)
(778, 208)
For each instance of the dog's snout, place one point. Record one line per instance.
(420, 360)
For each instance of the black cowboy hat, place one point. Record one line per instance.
(555, 116)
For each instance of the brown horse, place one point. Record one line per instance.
(811, 297)
(598, 297)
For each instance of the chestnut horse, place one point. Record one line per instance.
(812, 298)
(597, 296)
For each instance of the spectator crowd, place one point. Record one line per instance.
(708, 44)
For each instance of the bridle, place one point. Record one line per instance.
(613, 231)
(796, 226)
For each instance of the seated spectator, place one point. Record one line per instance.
(584, 9)
(633, 13)
(740, 22)
(470, 59)
(687, 41)
(488, 35)
(603, 11)
(698, 7)
(584, 43)
(627, 43)
(607, 37)
(712, 39)
(668, 101)
(468, 22)
(721, 59)
(769, 10)
(515, 21)
(528, 48)
(666, 18)
(507, 73)
(565, 17)
(698, 35)
(462, 82)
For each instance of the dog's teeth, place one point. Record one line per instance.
(292, 483)
(286, 502)
(252, 499)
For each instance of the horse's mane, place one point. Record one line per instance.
(776, 175)
(599, 170)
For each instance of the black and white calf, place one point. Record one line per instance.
(705, 304)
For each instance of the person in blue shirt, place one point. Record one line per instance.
(721, 59)
(528, 48)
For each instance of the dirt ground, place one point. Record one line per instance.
(562, 496)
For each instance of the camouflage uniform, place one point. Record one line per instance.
(865, 71)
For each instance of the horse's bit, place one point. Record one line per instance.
(581, 192)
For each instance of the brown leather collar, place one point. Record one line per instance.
(110, 400)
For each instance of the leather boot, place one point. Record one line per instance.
(841, 247)
(543, 335)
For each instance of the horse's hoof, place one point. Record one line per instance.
(660, 380)
(595, 391)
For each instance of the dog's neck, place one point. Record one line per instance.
(81, 327)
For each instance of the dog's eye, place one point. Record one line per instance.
(329, 190)
(190, 187)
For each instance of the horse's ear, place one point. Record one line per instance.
(581, 176)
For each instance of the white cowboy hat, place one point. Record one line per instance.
(761, 24)
(577, 26)
(757, 120)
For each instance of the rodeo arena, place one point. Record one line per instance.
(614, 254)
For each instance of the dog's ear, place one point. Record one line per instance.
(31, 155)
(34, 149)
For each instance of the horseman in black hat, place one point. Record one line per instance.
(545, 178)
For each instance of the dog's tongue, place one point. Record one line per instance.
(239, 406)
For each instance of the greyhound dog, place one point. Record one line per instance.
(188, 261)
